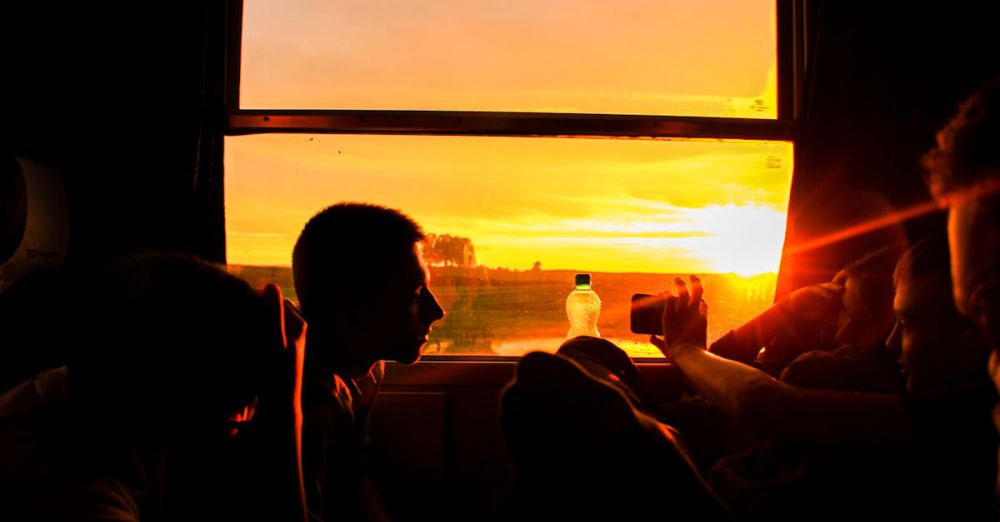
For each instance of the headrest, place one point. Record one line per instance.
(13, 207)
(35, 229)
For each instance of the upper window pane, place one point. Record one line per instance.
(658, 57)
(530, 213)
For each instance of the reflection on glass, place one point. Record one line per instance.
(513, 219)
(665, 57)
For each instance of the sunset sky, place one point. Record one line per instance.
(596, 204)
(588, 204)
(707, 58)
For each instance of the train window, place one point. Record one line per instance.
(715, 58)
(532, 140)
(514, 218)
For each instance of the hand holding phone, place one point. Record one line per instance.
(680, 320)
(646, 315)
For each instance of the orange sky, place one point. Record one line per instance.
(588, 204)
(709, 58)
(596, 204)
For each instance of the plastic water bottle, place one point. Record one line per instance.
(583, 307)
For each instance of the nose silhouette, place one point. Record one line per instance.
(430, 307)
(893, 342)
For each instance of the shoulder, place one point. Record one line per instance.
(952, 410)
(43, 391)
(326, 390)
(33, 426)
(103, 499)
(378, 371)
(79, 498)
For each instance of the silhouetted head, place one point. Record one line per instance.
(170, 350)
(963, 172)
(938, 347)
(581, 450)
(866, 314)
(363, 286)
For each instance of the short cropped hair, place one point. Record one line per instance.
(872, 275)
(928, 257)
(877, 264)
(346, 246)
(967, 146)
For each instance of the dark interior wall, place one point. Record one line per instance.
(125, 101)
(882, 77)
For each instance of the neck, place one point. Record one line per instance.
(327, 354)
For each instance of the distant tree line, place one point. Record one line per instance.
(448, 250)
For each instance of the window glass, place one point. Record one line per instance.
(516, 218)
(657, 57)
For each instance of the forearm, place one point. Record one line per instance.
(724, 382)
(776, 410)
(738, 345)
(742, 344)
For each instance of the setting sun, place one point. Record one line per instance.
(740, 238)
(575, 204)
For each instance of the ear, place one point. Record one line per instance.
(275, 314)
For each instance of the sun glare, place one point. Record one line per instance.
(638, 206)
(742, 240)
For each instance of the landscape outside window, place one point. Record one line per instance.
(511, 220)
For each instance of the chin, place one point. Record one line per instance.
(408, 357)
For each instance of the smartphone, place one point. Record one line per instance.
(646, 314)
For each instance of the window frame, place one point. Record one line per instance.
(790, 58)
(791, 66)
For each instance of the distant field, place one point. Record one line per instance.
(503, 312)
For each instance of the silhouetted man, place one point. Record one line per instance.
(363, 286)
(180, 402)
(963, 172)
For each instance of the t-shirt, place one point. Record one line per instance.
(335, 412)
(959, 442)
(948, 477)
(871, 369)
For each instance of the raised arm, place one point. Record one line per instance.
(800, 311)
(769, 407)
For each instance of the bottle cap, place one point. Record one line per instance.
(582, 279)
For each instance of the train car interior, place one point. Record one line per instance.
(762, 145)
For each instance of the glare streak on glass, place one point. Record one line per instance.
(515, 218)
(657, 57)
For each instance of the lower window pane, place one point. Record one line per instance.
(530, 213)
